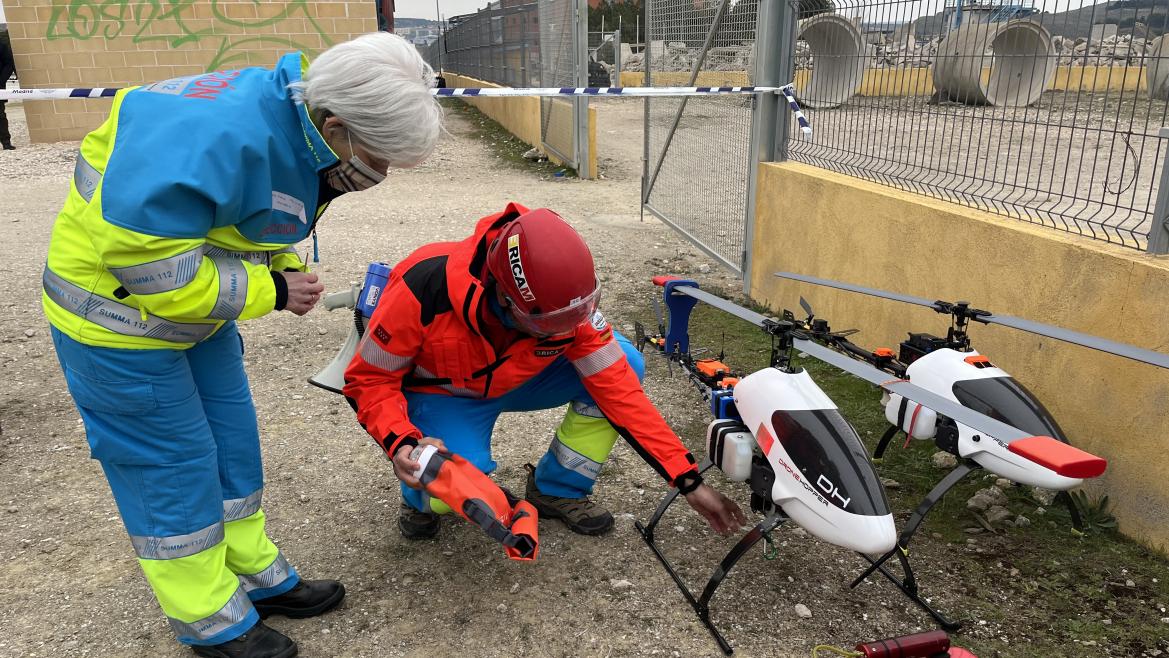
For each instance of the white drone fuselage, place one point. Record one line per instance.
(956, 375)
(824, 480)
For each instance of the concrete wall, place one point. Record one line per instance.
(817, 222)
(911, 81)
(521, 117)
(113, 43)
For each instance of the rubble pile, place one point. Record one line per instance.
(1124, 50)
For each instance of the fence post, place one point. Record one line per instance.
(647, 82)
(617, 57)
(769, 126)
(784, 57)
(580, 109)
(1159, 230)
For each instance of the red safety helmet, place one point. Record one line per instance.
(544, 271)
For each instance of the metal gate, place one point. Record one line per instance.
(701, 153)
(564, 63)
(698, 156)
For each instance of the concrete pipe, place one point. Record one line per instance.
(1006, 64)
(1157, 70)
(838, 60)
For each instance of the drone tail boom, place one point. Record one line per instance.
(1066, 460)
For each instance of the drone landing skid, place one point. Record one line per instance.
(908, 585)
(1061, 497)
(701, 604)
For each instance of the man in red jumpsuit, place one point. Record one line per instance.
(507, 320)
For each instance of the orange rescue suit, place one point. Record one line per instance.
(428, 335)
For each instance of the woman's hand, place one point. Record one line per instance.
(303, 291)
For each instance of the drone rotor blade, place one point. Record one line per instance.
(948, 408)
(861, 289)
(722, 304)
(806, 306)
(1141, 354)
(943, 406)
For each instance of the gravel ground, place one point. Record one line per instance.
(74, 589)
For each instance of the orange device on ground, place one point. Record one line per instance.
(475, 497)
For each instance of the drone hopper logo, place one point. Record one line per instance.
(517, 268)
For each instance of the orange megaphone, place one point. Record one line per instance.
(468, 491)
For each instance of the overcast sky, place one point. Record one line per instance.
(425, 8)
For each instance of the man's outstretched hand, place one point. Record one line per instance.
(722, 513)
(404, 467)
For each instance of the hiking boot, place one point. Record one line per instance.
(581, 515)
(416, 524)
(259, 642)
(308, 599)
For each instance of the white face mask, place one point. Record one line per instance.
(353, 175)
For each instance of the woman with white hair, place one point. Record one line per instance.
(181, 219)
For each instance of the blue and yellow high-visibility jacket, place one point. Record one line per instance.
(182, 203)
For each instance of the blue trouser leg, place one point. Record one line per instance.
(465, 425)
(218, 370)
(570, 466)
(177, 451)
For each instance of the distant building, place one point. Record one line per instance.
(385, 15)
(958, 12)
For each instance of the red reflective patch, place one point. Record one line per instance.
(381, 335)
(764, 438)
(1068, 461)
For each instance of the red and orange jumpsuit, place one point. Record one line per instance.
(437, 360)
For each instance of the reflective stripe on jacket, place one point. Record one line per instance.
(182, 203)
(427, 336)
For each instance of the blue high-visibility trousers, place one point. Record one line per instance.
(176, 434)
(579, 446)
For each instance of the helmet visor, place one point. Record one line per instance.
(560, 321)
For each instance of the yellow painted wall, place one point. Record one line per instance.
(681, 78)
(912, 81)
(821, 223)
(1099, 78)
(521, 117)
(111, 43)
(889, 82)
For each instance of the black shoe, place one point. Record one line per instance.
(259, 642)
(416, 524)
(9, 147)
(308, 599)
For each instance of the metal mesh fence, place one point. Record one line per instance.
(558, 68)
(500, 45)
(522, 45)
(1047, 112)
(698, 148)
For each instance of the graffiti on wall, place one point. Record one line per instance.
(165, 22)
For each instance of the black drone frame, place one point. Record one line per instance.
(681, 296)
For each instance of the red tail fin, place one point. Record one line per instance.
(1060, 457)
